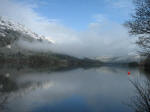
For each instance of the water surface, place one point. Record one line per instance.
(104, 89)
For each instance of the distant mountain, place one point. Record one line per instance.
(12, 34)
(120, 59)
(20, 46)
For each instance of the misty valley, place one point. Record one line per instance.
(74, 55)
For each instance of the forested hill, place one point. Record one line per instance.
(15, 40)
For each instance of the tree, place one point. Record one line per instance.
(141, 101)
(139, 25)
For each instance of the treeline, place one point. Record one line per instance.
(145, 64)
(52, 60)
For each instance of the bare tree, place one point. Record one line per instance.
(141, 101)
(139, 25)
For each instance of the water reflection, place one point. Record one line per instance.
(3, 101)
(90, 90)
(6, 86)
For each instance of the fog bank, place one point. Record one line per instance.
(102, 37)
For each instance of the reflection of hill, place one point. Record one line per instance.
(98, 86)
(94, 86)
(6, 84)
(3, 101)
(12, 86)
(21, 81)
(116, 70)
(9, 85)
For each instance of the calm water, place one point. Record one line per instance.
(104, 89)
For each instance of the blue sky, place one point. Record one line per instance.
(77, 14)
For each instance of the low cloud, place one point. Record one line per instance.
(102, 37)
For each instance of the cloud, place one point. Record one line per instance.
(24, 13)
(102, 37)
(108, 38)
(100, 17)
(120, 3)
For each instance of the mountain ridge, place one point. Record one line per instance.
(12, 33)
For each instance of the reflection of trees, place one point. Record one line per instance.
(141, 101)
(3, 101)
(10, 89)
(6, 86)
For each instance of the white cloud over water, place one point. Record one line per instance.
(102, 37)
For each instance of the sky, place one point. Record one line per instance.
(77, 14)
(83, 28)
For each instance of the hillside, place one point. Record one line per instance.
(21, 46)
(15, 35)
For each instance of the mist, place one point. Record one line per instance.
(102, 37)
